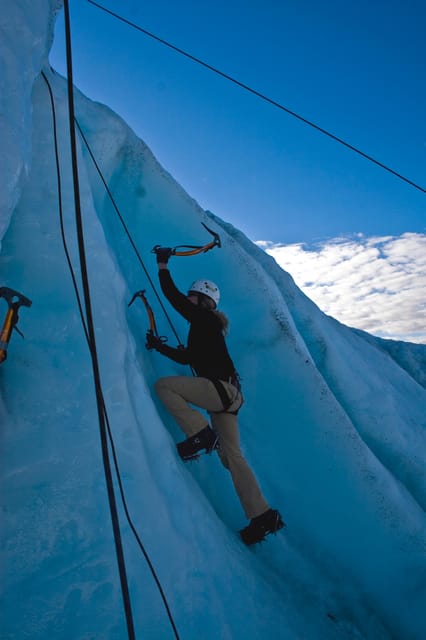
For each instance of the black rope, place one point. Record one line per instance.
(111, 439)
(92, 341)
(61, 211)
(139, 257)
(126, 229)
(260, 95)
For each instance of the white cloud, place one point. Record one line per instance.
(377, 284)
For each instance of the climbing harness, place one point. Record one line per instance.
(223, 394)
(14, 300)
(193, 250)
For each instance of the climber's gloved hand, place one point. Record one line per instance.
(152, 341)
(163, 254)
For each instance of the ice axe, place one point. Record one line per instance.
(193, 250)
(15, 300)
(152, 326)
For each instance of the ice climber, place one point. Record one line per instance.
(215, 388)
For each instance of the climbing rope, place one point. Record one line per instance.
(90, 336)
(110, 436)
(258, 95)
(92, 339)
(126, 229)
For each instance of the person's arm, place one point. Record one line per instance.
(177, 299)
(156, 343)
(179, 355)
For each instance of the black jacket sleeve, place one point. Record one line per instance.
(178, 355)
(177, 299)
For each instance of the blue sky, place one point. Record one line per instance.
(354, 69)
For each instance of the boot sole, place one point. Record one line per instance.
(200, 453)
(250, 540)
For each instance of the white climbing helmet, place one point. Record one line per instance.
(207, 288)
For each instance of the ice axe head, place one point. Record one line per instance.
(14, 298)
(215, 235)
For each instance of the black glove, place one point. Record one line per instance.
(152, 341)
(163, 254)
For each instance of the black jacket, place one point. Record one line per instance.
(206, 351)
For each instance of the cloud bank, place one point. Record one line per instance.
(377, 284)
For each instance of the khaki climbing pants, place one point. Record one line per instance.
(179, 392)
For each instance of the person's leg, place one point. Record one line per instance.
(178, 392)
(245, 483)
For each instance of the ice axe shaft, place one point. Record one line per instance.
(152, 326)
(142, 296)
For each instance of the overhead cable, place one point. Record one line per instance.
(259, 95)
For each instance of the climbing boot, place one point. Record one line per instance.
(192, 447)
(261, 526)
